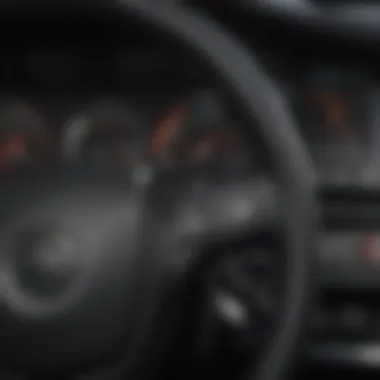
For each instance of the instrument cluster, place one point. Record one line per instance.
(113, 133)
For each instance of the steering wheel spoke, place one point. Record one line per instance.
(246, 289)
(201, 210)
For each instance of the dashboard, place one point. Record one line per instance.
(95, 105)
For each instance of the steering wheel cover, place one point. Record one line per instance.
(262, 103)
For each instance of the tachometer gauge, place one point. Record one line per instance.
(24, 137)
(108, 135)
(198, 134)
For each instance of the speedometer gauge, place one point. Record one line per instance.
(107, 135)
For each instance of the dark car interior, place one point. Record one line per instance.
(189, 189)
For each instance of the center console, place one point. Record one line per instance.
(345, 325)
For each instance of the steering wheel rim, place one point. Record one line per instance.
(261, 102)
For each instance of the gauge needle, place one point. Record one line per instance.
(167, 129)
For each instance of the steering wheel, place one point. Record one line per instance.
(91, 265)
